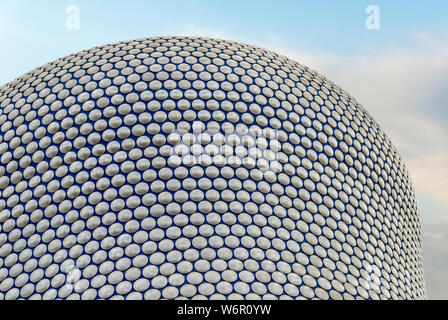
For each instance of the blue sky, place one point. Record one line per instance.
(399, 72)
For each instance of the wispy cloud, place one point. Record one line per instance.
(404, 88)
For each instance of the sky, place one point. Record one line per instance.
(397, 70)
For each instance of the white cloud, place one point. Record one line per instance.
(403, 89)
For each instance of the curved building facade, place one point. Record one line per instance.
(195, 168)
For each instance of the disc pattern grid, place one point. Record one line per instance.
(92, 207)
